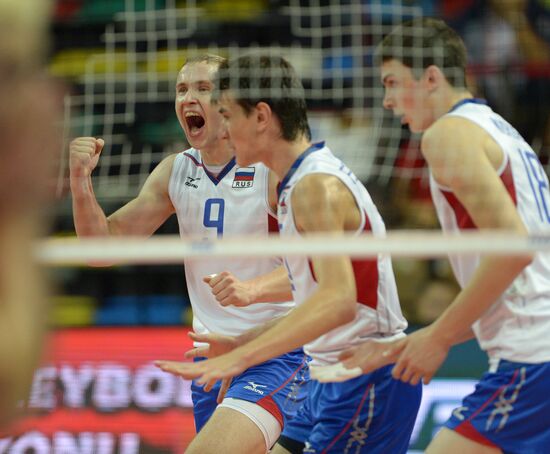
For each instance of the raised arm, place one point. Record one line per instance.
(89, 218)
(141, 216)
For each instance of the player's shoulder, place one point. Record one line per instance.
(171, 157)
(314, 187)
(452, 132)
(311, 182)
(321, 202)
(448, 128)
(167, 163)
(159, 179)
(318, 163)
(188, 157)
(189, 153)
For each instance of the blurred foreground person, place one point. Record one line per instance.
(28, 134)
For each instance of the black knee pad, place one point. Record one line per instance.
(292, 446)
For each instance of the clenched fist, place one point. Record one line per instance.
(229, 290)
(84, 155)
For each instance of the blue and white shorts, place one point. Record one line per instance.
(278, 386)
(372, 413)
(509, 409)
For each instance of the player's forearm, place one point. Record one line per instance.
(493, 276)
(321, 313)
(465, 336)
(89, 218)
(253, 333)
(272, 287)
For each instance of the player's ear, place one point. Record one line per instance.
(433, 77)
(263, 115)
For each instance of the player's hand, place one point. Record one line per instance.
(333, 373)
(84, 154)
(225, 366)
(226, 383)
(230, 291)
(371, 355)
(218, 344)
(420, 358)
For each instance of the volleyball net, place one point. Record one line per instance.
(123, 91)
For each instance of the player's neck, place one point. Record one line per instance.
(217, 154)
(448, 101)
(284, 154)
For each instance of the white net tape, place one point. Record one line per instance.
(172, 249)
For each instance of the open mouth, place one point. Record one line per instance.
(195, 122)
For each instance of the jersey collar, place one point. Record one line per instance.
(222, 174)
(314, 147)
(468, 101)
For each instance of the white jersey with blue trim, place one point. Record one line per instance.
(235, 203)
(516, 327)
(378, 311)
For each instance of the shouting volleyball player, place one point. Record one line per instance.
(212, 197)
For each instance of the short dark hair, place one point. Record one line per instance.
(422, 42)
(210, 59)
(270, 79)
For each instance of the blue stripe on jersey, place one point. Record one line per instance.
(468, 101)
(220, 176)
(193, 159)
(296, 164)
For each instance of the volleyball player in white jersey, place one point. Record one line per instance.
(340, 302)
(212, 197)
(483, 176)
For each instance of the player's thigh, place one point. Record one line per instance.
(448, 441)
(204, 403)
(228, 431)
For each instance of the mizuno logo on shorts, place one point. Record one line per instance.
(254, 387)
